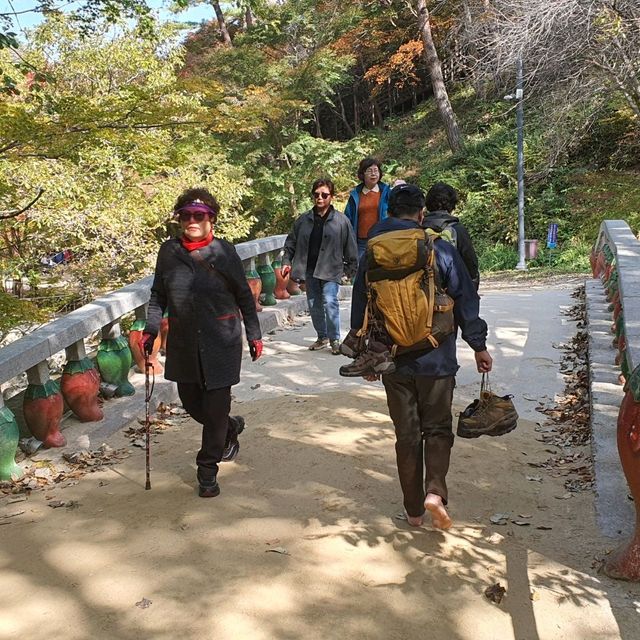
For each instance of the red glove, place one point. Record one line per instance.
(146, 343)
(255, 349)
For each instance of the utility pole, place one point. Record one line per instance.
(522, 265)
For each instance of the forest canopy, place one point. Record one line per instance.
(107, 113)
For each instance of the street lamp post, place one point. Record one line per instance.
(522, 265)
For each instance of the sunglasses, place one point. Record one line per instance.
(186, 216)
(321, 194)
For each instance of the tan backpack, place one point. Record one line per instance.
(405, 296)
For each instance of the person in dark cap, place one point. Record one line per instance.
(420, 387)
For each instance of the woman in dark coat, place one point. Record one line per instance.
(201, 281)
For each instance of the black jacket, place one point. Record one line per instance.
(436, 220)
(338, 251)
(205, 307)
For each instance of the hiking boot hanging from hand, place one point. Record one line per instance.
(376, 360)
(489, 415)
(353, 344)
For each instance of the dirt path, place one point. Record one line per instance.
(316, 479)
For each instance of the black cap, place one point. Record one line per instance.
(408, 195)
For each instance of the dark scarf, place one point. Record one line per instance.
(192, 245)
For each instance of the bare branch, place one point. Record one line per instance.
(4, 215)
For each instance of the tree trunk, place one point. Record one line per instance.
(356, 110)
(316, 116)
(437, 81)
(221, 23)
(248, 18)
(343, 115)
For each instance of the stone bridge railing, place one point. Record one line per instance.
(615, 259)
(81, 381)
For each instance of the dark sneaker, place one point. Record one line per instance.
(495, 416)
(232, 446)
(335, 347)
(352, 344)
(369, 363)
(207, 487)
(320, 343)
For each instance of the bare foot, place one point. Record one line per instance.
(439, 517)
(414, 521)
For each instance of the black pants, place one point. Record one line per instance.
(420, 408)
(211, 410)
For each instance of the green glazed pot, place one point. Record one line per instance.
(9, 435)
(114, 361)
(268, 277)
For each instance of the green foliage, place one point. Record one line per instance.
(113, 123)
(14, 311)
(108, 137)
(497, 257)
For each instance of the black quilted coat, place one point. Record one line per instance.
(205, 307)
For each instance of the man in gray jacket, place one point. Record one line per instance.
(320, 249)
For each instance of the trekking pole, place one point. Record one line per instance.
(148, 391)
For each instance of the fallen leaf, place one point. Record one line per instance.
(521, 523)
(534, 478)
(495, 593)
(55, 504)
(524, 515)
(255, 386)
(144, 603)
(534, 596)
(280, 550)
(12, 515)
(499, 518)
(400, 516)
(543, 527)
(564, 496)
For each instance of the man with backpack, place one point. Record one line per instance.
(423, 300)
(441, 200)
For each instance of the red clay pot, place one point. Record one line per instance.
(79, 385)
(42, 409)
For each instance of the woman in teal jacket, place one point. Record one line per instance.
(368, 202)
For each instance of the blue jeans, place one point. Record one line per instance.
(322, 296)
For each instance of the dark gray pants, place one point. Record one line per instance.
(420, 408)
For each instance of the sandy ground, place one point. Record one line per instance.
(316, 479)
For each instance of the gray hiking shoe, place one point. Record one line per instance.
(320, 343)
(369, 363)
(352, 345)
(335, 347)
